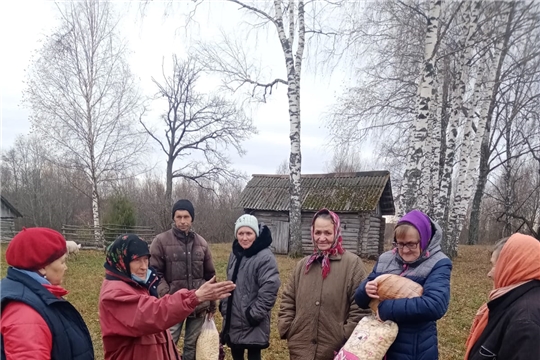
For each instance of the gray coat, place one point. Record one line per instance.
(246, 313)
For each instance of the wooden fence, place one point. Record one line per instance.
(85, 234)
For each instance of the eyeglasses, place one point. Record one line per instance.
(410, 246)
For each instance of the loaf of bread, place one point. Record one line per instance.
(394, 287)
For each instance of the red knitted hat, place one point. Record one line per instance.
(33, 248)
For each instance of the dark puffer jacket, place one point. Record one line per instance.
(70, 337)
(513, 328)
(246, 313)
(416, 317)
(182, 261)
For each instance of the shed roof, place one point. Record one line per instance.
(340, 192)
(10, 207)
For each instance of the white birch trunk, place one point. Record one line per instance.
(470, 18)
(293, 65)
(434, 148)
(469, 158)
(416, 188)
(98, 238)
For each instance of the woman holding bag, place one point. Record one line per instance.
(417, 255)
(253, 268)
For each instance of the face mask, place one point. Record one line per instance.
(141, 281)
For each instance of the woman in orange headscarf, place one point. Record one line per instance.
(508, 325)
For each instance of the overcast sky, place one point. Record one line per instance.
(156, 37)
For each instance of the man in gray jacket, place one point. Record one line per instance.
(183, 260)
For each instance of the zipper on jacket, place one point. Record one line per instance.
(405, 268)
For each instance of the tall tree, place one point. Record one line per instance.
(196, 124)
(83, 96)
(470, 17)
(521, 23)
(416, 178)
(288, 20)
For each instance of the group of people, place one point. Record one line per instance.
(150, 294)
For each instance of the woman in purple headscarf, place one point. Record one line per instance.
(318, 312)
(416, 255)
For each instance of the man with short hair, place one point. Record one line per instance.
(183, 260)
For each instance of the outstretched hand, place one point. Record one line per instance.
(212, 290)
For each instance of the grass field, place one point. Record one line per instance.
(470, 287)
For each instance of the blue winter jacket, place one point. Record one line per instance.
(416, 317)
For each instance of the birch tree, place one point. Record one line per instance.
(415, 193)
(228, 58)
(84, 99)
(383, 106)
(522, 22)
(470, 19)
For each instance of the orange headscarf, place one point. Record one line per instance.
(518, 263)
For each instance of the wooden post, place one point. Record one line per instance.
(382, 233)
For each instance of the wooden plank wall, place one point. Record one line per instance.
(280, 240)
(7, 229)
(371, 239)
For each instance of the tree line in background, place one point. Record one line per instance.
(49, 195)
(448, 92)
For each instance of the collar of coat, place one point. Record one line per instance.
(262, 241)
(335, 257)
(181, 235)
(507, 299)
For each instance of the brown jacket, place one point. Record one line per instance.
(318, 315)
(182, 262)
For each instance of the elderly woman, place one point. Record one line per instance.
(37, 322)
(134, 321)
(318, 312)
(253, 268)
(508, 325)
(417, 255)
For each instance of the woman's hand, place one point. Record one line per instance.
(371, 289)
(212, 290)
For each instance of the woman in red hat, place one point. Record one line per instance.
(134, 321)
(37, 322)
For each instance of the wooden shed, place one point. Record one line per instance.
(360, 199)
(8, 214)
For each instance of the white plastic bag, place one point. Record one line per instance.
(370, 340)
(208, 341)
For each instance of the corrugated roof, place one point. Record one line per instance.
(343, 192)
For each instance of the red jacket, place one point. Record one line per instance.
(134, 324)
(26, 334)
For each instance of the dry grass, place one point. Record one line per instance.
(470, 287)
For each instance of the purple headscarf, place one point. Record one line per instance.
(422, 223)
